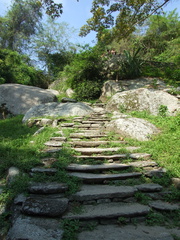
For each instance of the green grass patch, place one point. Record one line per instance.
(164, 147)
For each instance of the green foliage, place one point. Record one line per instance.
(142, 198)
(171, 219)
(87, 90)
(85, 74)
(130, 65)
(15, 68)
(128, 15)
(154, 219)
(163, 110)
(164, 147)
(71, 228)
(20, 23)
(53, 45)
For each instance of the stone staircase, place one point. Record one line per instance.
(112, 185)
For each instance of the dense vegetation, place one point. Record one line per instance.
(25, 41)
(151, 50)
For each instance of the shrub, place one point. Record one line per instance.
(130, 65)
(85, 74)
(87, 90)
(15, 68)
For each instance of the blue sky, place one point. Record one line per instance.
(76, 13)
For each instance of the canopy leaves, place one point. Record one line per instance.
(121, 16)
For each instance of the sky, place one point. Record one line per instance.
(76, 13)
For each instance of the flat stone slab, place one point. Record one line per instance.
(116, 156)
(94, 143)
(87, 135)
(129, 232)
(52, 150)
(42, 206)
(101, 150)
(149, 187)
(94, 192)
(90, 177)
(47, 188)
(97, 167)
(109, 211)
(44, 170)
(67, 124)
(164, 206)
(30, 228)
(53, 144)
(58, 139)
(140, 155)
(147, 163)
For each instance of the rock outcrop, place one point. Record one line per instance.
(111, 87)
(58, 109)
(144, 99)
(18, 99)
(136, 128)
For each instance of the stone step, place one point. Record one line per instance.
(67, 124)
(94, 143)
(89, 193)
(108, 166)
(93, 122)
(129, 232)
(109, 211)
(53, 144)
(44, 206)
(49, 171)
(116, 156)
(96, 126)
(100, 178)
(91, 151)
(87, 135)
(61, 139)
(47, 188)
(95, 192)
(99, 167)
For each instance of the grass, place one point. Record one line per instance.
(165, 146)
(19, 148)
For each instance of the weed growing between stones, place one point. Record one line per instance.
(71, 229)
(142, 198)
(169, 219)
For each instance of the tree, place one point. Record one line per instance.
(53, 45)
(162, 37)
(21, 22)
(120, 15)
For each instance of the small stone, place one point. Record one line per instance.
(156, 173)
(41, 206)
(13, 172)
(44, 170)
(149, 187)
(47, 188)
(164, 206)
(20, 199)
(176, 182)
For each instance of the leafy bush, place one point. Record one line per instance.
(130, 65)
(88, 90)
(85, 74)
(15, 68)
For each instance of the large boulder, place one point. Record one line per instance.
(18, 99)
(58, 110)
(144, 99)
(136, 128)
(111, 87)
